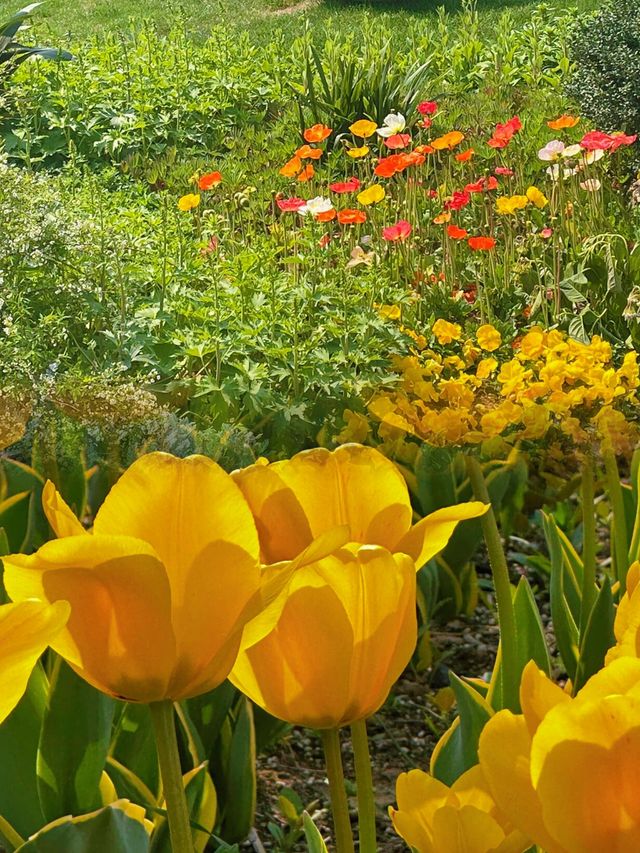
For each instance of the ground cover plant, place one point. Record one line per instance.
(318, 341)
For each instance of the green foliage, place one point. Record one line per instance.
(606, 51)
(12, 53)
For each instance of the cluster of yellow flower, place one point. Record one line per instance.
(543, 384)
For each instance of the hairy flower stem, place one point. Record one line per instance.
(588, 544)
(619, 541)
(169, 760)
(502, 586)
(339, 805)
(364, 781)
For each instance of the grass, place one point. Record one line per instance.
(80, 18)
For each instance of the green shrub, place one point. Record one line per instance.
(606, 81)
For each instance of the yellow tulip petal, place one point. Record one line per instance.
(505, 758)
(465, 830)
(417, 790)
(538, 695)
(179, 506)
(409, 826)
(26, 629)
(430, 535)
(119, 635)
(472, 789)
(619, 677)
(62, 520)
(591, 750)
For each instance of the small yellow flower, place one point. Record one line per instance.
(358, 152)
(389, 312)
(446, 332)
(363, 128)
(536, 197)
(507, 205)
(489, 337)
(486, 367)
(189, 201)
(371, 195)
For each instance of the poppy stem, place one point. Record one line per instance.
(339, 805)
(364, 781)
(171, 773)
(502, 586)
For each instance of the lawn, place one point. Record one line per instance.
(319, 428)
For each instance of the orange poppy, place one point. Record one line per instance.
(414, 158)
(211, 179)
(465, 156)
(291, 167)
(456, 233)
(563, 122)
(307, 173)
(441, 218)
(449, 140)
(326, 215)
(481, 244)
(348, 216)
(316, 133)
(306, 152)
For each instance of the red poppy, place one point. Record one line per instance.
(388, 166)
(348, 216)
(476, 187)
(326, 215)
(482, 185)
(317, 133)
(456, 233)
(306, 152)
(349, 186)
(398, 140)
(503, 134)
(211, 179)
(596, 140)
(502, 170)
(465, 156)
(290, 205)
(481, 244)
(432, 193)
(427, 108)
(399, 231)
(426, 123)
(324, 241)
(458, 200)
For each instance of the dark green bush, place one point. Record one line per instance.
(606, 51)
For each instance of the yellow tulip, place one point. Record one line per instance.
(433, 818)
(565, 771)
(627, 623)
(162, 588)
(315, 491)
(26, 629)
(344, 634)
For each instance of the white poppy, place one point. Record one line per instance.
(393, 123)
(591, 185)
(551, 151)
(571, 151)
(316, 205)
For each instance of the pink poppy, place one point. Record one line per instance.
(290, 205)
(399, 231)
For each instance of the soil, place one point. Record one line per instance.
(402, 736)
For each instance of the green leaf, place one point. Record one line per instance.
(564, 623)
(315, 842)
(202, 803)
(237, 787)
(207, 713)
(73, 748)
(108, 829)
(598, 637)
(434, 474)
(457, 749)
(19, 736)
(134, 746)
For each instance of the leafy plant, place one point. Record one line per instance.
(13, 53)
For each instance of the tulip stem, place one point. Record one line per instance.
(339, 804)
(620, 544)
(171, 773)
(364, 781)
(502, 587)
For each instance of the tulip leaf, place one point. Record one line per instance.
(21, 478)
(206, 713)
(315, 842)
(19, 735)
(457, 749)
(440, 589)
(134, 746)
(72, 752)
(109, 829)
(14, 519)
(564, 621)
(202, 803)
(235, 773)
(435, 480)
(598, 637)
(57, 455)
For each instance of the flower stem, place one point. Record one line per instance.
(502, 586)
(619, 523)
(364, 781)
(588, 544)
(167, 745)
(339, 805)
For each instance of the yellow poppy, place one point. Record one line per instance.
(317, 491)
(344, 634)
(189, 201)
(371, 195)
(358, 152)
(363, 128)
(536, 197)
